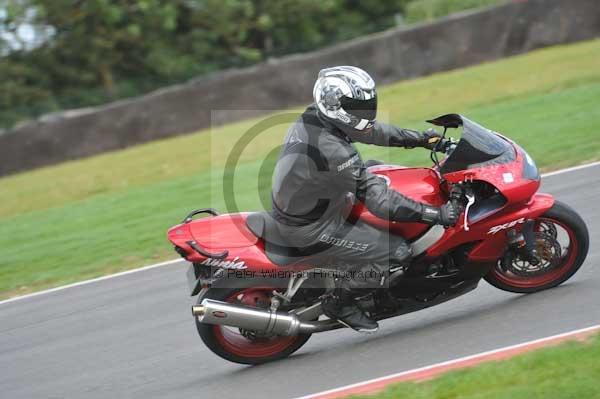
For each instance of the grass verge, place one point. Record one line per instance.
(108, 213)
(570, 370)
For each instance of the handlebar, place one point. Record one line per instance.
(450, 148)
(444, 145)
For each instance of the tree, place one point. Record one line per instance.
(91, 51)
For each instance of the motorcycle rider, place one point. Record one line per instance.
(317, 169)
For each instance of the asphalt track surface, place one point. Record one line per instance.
(132, 336)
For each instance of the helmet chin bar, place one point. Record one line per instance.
(363, 124)
(350, 129)
(348, 121)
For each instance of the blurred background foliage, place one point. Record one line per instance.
(61, 54)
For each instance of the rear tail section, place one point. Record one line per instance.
(218, 243)
(210, 238)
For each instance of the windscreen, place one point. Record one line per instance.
(478, 147)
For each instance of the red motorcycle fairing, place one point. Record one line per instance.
(521, 203)
(491, 232)
(226, 232)
(419, 184)
(507, 178)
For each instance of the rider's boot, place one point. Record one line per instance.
(341, 306)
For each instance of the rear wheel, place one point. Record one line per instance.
(245, 346)
(562, 242)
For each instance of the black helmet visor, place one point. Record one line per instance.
(362, 109)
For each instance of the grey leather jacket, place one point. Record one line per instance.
(319, 165)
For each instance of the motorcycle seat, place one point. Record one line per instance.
(264, 226)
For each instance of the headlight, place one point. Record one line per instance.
(530, 170)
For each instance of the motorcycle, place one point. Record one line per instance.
(257, 302)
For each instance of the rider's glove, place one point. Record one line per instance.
(444, 145)
(446, 215)
(431, 138)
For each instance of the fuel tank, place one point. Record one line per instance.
(419, 184)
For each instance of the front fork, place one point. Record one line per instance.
(523, 243)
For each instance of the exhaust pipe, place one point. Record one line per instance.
(264, 320)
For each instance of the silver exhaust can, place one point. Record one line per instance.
(211, 311)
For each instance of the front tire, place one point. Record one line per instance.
(562, 217)
(241, 346)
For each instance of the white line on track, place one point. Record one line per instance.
(173, 261)
(109, 276)
(571, 169)
(447, 365)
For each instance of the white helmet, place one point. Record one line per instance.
(346, 95)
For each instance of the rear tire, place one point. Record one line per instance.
(569, 220)
(224, 341)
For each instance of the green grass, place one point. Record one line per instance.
(108, 213)
(429, 10)
(568, 371)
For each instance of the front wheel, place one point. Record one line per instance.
(562, 242)
(245, 346)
